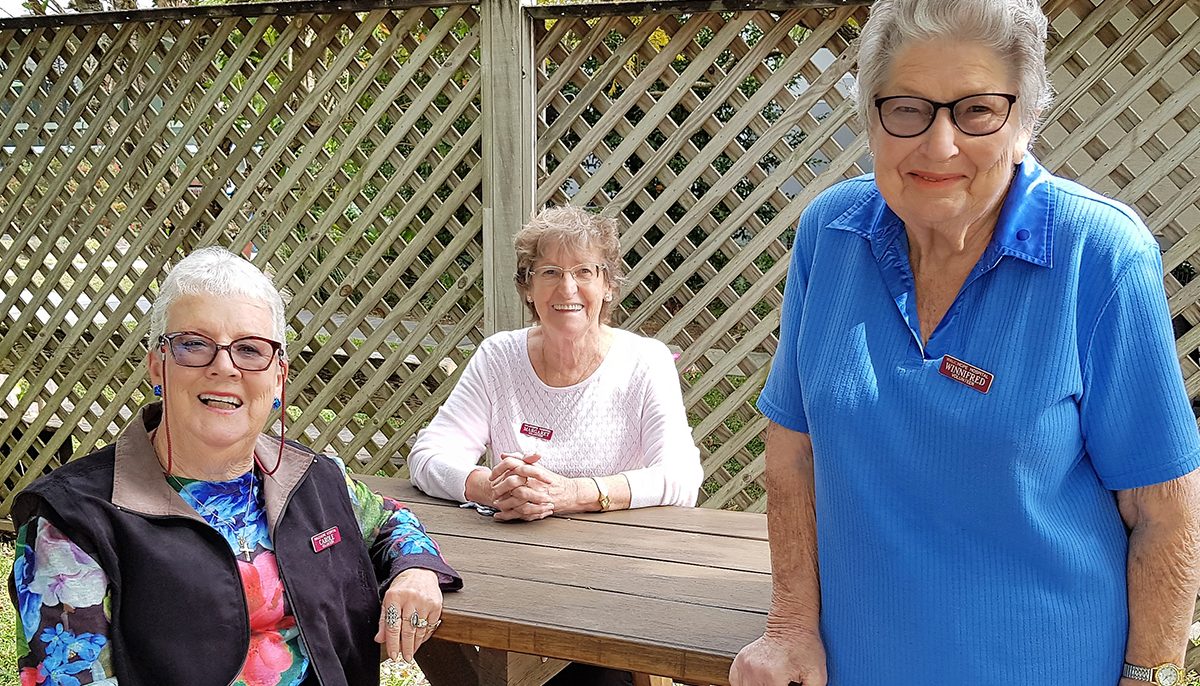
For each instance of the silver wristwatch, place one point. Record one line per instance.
(1166, 674)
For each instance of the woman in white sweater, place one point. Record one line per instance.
(573, 414)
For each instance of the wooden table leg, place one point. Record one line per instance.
(502, 668)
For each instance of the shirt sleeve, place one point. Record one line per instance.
(672, 474)
(1138, 427)
(448, 450)
(62, 598)
(781, 400)
(395, 537)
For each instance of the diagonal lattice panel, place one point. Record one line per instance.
(342, 151)
(1126, 122)
(702, 137)
(709, 132)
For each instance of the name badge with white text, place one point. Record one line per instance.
(537, 431)
(326, 539)
(966, 374)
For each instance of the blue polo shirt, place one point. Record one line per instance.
(963, 535)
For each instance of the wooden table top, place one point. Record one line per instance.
(665, 590)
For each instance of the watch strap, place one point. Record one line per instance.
(1166, 674)
(1137, 672)
(602, 500)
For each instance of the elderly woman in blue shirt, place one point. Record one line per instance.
(978, 418)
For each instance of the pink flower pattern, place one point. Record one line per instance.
(269, 655)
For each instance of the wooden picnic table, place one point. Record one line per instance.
(668, 591)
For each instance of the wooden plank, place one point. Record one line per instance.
(686, 519)
(694, 584)
(595, 536)
(599, 627)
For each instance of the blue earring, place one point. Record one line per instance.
(158, 390)
(275, 404)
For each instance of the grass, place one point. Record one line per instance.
(391, 674)
(8, 622)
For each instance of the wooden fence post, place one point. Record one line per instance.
(508, 153)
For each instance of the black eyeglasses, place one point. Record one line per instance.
(982, 114)
(249, 354)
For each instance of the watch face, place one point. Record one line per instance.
(1168, 675)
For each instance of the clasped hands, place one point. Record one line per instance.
(520, 489)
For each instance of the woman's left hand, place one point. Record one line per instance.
(413, 593)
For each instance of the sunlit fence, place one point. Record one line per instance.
(378, 159)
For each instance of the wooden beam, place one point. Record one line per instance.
(248, 9)
(626, 9)
(508, 153)
(502, 668)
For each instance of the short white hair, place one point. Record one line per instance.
(216, 272)
(1014, 29)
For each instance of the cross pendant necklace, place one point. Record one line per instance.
(243, 541)
(244, 546)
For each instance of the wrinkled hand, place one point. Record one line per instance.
(412, 591)
(523, 490)
(779, 660)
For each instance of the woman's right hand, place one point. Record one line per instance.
(506, 487)
(521, 490)
(775, 660)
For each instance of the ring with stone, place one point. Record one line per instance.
(391, 617)
(417, 621)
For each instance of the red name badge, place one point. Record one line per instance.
(537, 431)
(966, 374)
(326, 539)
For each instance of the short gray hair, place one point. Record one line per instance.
(1014, 29)
(578, 230)
(216, 272)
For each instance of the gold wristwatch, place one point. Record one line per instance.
(1166, 674)
(604, 501)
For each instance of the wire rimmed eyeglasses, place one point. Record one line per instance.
(550, 273)
(909, 116)
(249, 353)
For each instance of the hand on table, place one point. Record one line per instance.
(523, 490)
(780, 660)
(412, 592)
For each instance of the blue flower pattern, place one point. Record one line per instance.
(408, 535)
(29, 604)
(68, 654)
(232, 508)
(384, 519)
(62, 658)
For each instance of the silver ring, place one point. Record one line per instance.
(417, 621)
(391, 617)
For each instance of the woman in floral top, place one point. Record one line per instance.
(197, 550)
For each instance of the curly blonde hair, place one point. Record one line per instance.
(575, 229)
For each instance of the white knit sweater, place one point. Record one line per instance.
(626, 418)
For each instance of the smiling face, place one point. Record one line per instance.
(566, 307)
(217, 410)
(944, 178)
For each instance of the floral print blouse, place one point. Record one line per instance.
(64, 601)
